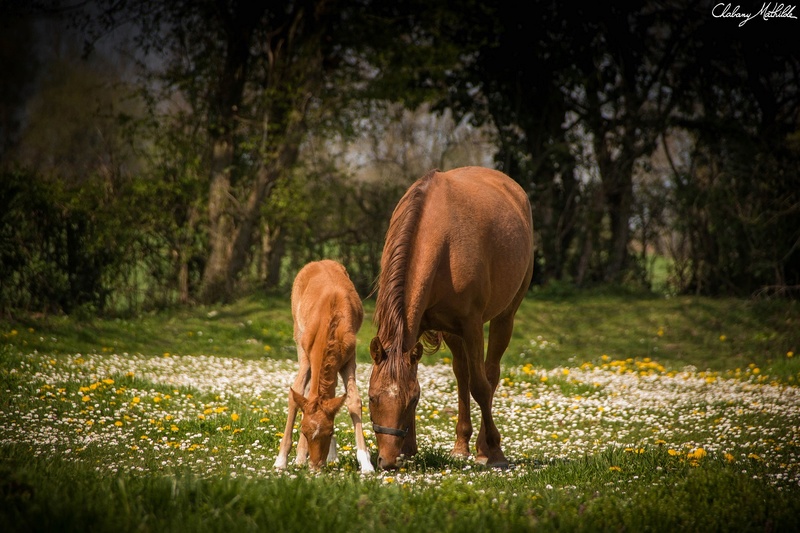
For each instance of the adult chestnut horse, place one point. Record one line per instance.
(327, 314)
(458, 254)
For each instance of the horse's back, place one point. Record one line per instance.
(477, 227)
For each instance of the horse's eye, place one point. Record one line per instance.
(373, 399)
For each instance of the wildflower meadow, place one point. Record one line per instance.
(163, 440)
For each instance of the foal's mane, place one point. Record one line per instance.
(333, 346)
(390, 317)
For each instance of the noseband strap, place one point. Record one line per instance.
(390, 431)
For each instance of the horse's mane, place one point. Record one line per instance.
(389, 316)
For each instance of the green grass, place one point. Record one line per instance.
(618, 411)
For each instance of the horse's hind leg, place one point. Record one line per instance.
(461, 371)
(489, 451)
(500, 329)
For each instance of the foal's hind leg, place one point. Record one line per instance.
(461, 371)
(348, 373)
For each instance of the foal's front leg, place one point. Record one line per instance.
(286, 441)
(348, 374)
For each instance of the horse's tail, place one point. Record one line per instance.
(432, 341)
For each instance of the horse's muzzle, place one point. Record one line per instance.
(390, 431)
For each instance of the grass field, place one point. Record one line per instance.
(619, 411)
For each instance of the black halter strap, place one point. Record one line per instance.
(390, 431)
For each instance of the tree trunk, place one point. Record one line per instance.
(273, 248)
(216, 286)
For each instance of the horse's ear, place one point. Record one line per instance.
(416, 354)
(332, 405)
(376, 350)
(299, 399)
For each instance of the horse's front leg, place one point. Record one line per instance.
(461, 371)
(354, 406)
(409, 448)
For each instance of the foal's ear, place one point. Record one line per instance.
(332, 405)
(299, 399)
(376, 350)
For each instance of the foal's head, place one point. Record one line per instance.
(317, 425)
(393, 397)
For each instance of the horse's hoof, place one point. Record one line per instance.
(459, 454)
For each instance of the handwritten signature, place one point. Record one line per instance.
(768, 11)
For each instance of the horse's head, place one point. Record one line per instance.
(393, 397)
(317, 425)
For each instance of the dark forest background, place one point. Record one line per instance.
(155, 153)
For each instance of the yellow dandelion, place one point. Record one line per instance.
(108, 381)
(730, 458)
(388, 480)
(118, 423)
(722, 338)
(673, 453)
(789, 354)
(85, 399)
(615, 469)
(136, 399)
(173, 428)
(234, 417)
(699, 453)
